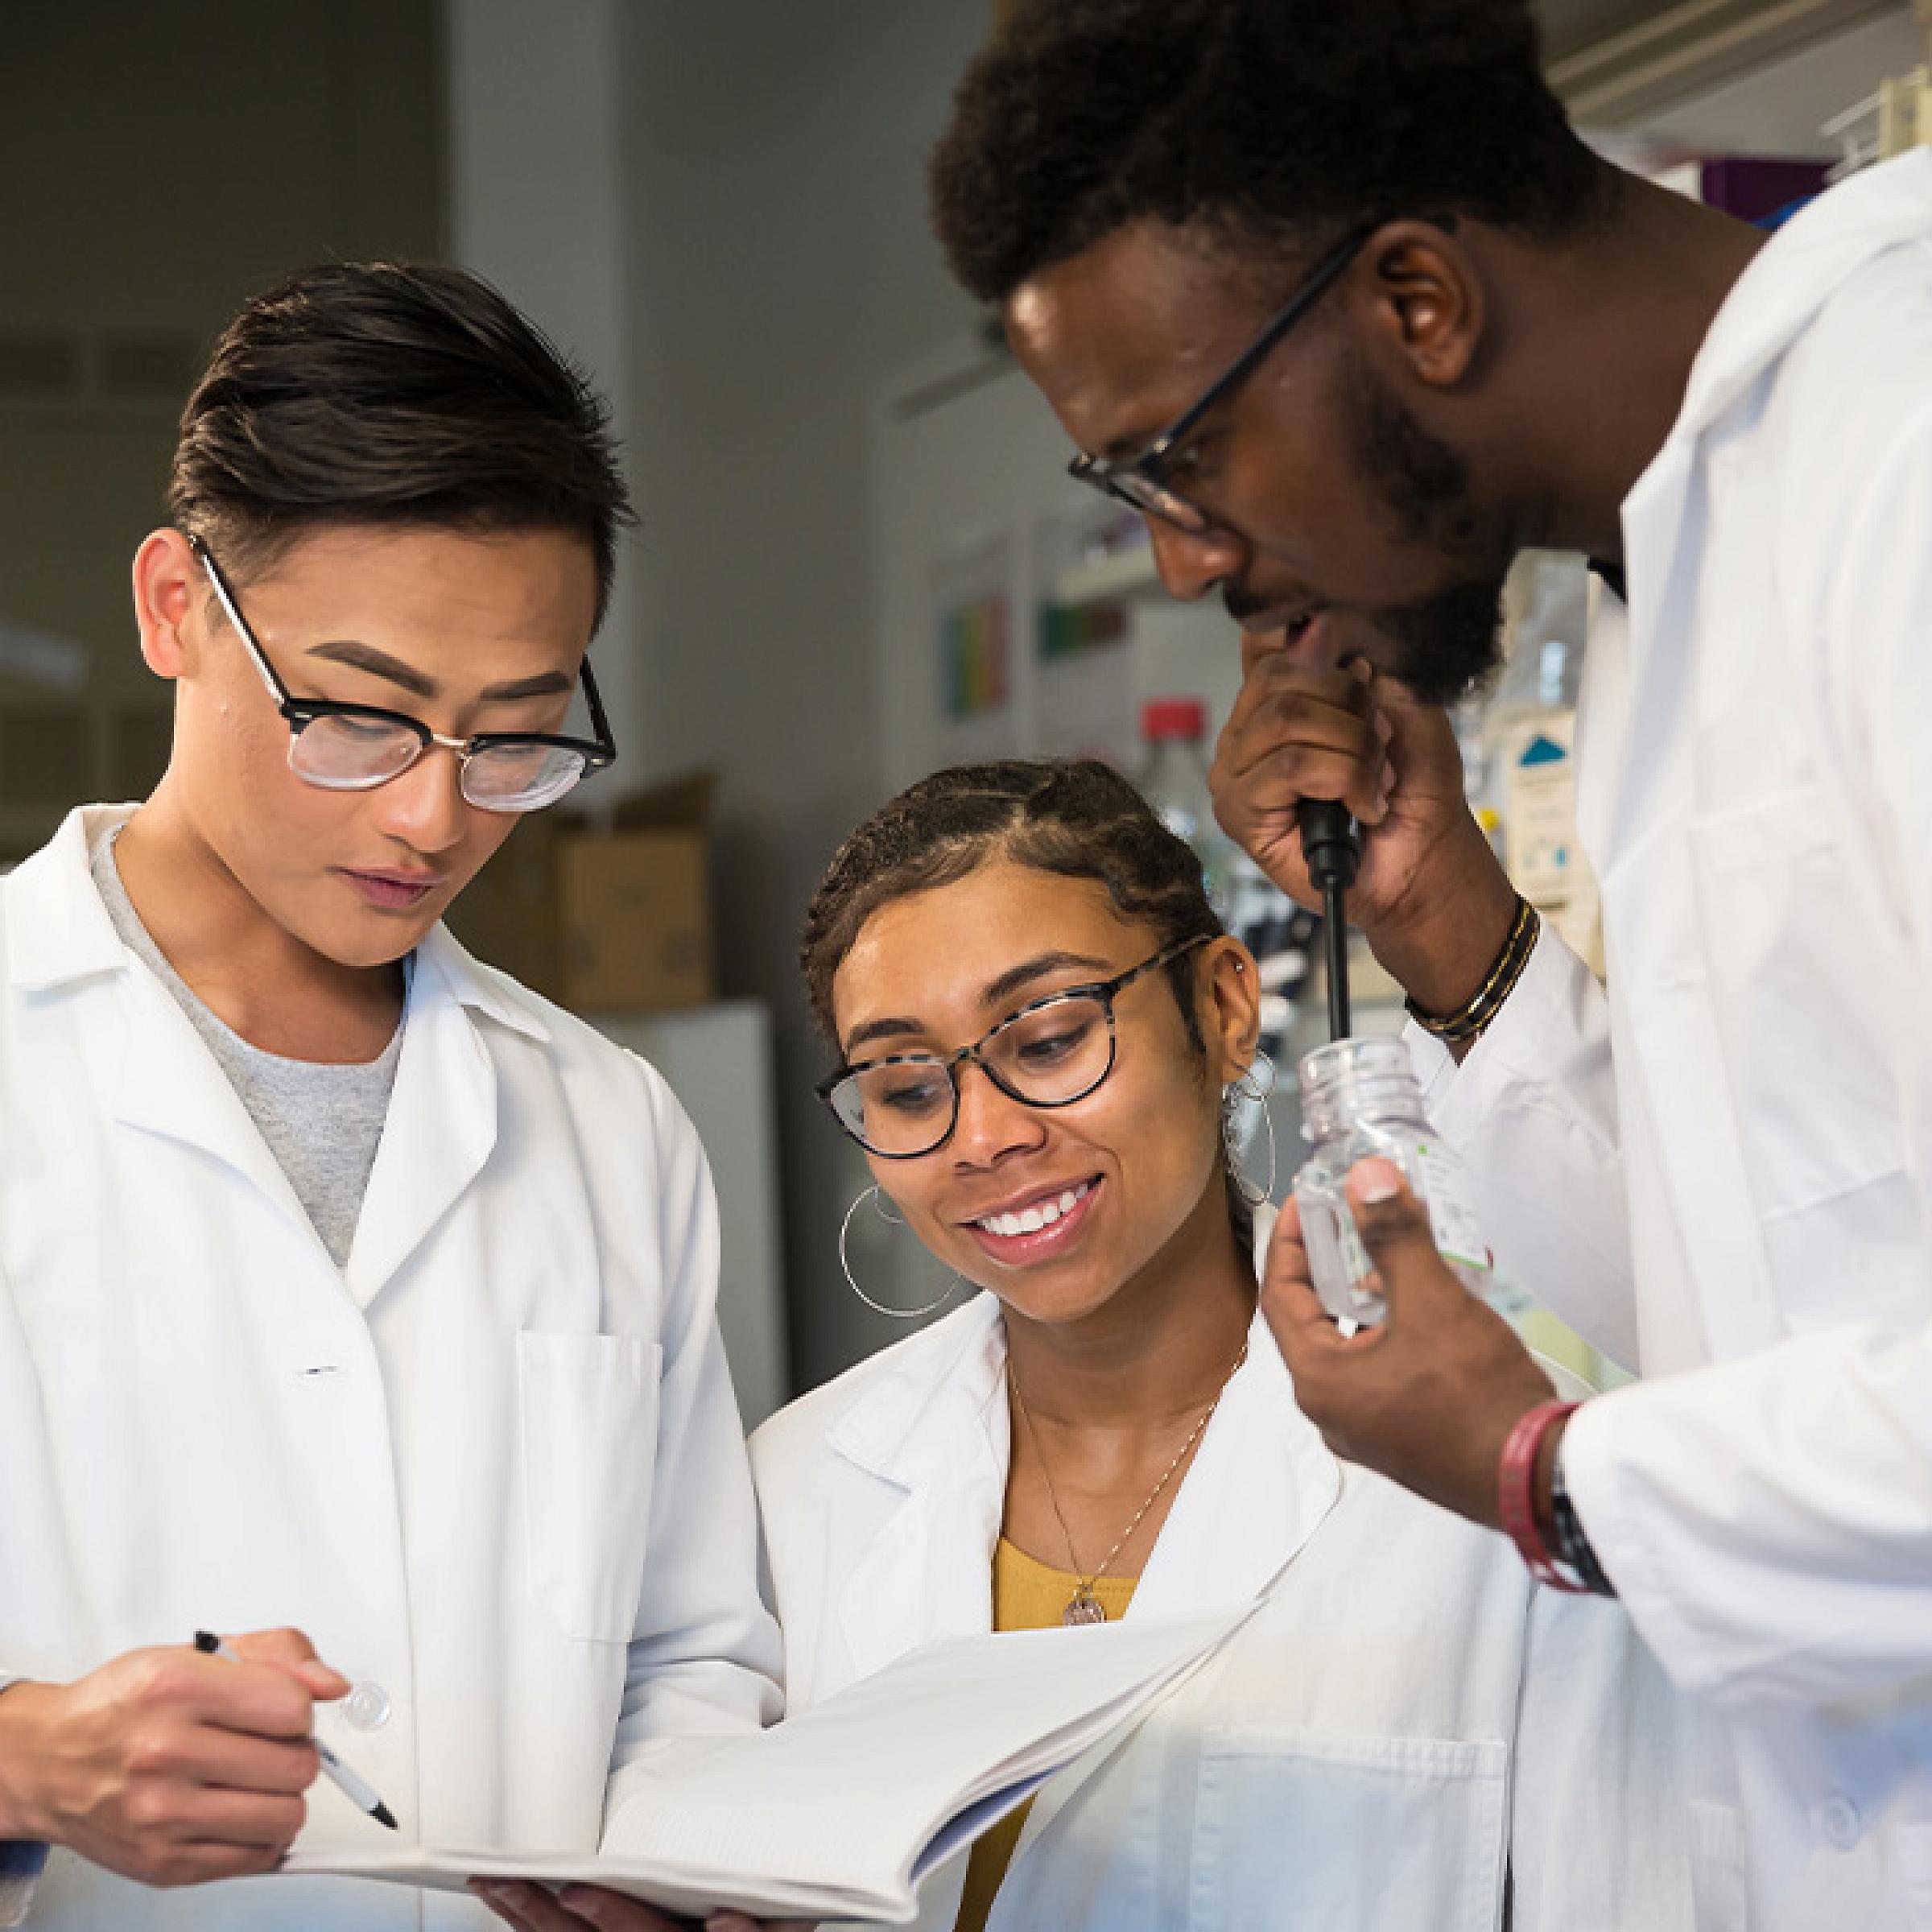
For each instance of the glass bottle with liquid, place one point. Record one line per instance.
(1360, 1098)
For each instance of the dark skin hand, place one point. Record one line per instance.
(1429, 1398)
(1433, 902)
(533, 1908)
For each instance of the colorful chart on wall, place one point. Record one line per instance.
(1084, 700)
(972, 606)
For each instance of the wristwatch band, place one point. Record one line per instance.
(1572, 1545)
(1516, 1494)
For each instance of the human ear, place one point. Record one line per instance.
(1422, 301)
(167, 581)
(1231, 997)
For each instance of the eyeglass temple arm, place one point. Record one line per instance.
(225, 597)
(1304, 298)
(599, 723)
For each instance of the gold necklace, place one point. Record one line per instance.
(1084, 1607)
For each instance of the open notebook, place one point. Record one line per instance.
(842, 1811)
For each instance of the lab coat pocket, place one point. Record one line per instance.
(589, 1413)
(1300, 1829)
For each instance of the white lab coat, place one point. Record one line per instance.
(1743, 1127)
(493, 1467)
(1404, 1714)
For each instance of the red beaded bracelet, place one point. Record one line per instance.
(1515, 1493)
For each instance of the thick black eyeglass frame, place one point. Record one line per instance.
(299, 713)
(1108, 475)
(1105, 991)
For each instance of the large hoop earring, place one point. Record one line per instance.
(1249, 1086)
(1249, 1094)
(878, 1208)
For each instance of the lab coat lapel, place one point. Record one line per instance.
(170, 1085)
(1622, 770)
(1635, 779)
(1260, 1484)
(162, 1080)
(442, 1123)
(936, 1432)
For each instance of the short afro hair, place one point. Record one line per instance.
(1261, 122)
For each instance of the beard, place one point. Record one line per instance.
(1448, 642)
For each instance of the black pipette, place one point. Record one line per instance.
(1331, 844)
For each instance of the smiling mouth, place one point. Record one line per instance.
(1039, 1215)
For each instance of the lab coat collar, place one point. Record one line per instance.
(57, 929)
(442, 1121)
(58, 932)
(481, 988)
(936, 1427)
(1798, 272)
(940, 1384)
(1790, 279)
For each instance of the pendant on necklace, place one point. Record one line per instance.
(1084, 1607)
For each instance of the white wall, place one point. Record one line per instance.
(720, 208)
(778, 259)
(538, 192)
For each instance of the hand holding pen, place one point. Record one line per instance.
(353, 1787)
(165, 1766)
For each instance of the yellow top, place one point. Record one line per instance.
(1026, 1595)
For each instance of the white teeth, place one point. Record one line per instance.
(1030, 1221)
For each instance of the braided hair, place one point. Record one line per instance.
(1075, 817)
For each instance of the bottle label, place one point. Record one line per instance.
(1458, 1234)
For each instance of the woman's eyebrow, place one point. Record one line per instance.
(880, 1030)
(994, 993)
(998, 992)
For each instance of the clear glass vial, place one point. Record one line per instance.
(1361, 1098)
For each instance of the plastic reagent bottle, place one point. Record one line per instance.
(1360, 1098)
(1173, 778)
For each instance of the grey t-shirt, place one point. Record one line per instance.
(322, 1122)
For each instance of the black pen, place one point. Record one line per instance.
(338, 1773)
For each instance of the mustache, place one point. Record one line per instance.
(1241, 604)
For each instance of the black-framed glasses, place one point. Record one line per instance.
(356, 747)
(1053, 1051)
(1139, 481)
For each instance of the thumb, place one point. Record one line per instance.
(1394, 1228)
(291, 1651)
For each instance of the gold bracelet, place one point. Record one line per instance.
(1482, 1006)
(1479, 1018)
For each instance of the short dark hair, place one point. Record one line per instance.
(1076, 817)
(1254, 120)
(391, 393)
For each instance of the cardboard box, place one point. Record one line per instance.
(636, 921)
(616, 920)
